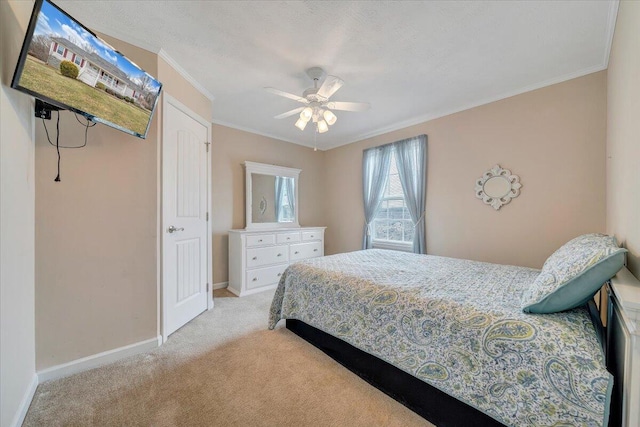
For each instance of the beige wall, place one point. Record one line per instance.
(97, 239)
(96, 232)
(623, 133)
(230, 148)
(175, 85)
(553, 138)
(17, 195)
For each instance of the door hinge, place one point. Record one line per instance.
(207, 216)
(207, 287)
(207, 143)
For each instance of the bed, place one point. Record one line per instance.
(449, 338)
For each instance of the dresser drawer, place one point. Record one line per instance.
(288, 237)
(257, 257)
(259, 277)
(311, 235)
(261, 240)
(306, 250)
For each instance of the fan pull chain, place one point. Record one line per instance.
(315, 139)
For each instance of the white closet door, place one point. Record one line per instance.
(184, 207)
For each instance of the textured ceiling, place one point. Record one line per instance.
(412, 61)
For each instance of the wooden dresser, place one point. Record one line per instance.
(257, 258)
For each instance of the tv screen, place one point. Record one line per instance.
(68, 66)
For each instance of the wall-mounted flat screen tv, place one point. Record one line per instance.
(66, 65)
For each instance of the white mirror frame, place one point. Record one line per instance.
(513, 184)
(265, 169)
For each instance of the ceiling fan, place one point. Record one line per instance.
(316, 99)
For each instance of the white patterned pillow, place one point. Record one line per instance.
(573, 274)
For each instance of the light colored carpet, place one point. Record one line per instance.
(222, 369)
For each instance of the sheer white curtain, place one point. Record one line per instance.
(280, 184)
(375, 173)
(289, 187)
(411, 160)
(285, 186)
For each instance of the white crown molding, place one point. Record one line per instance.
(611, 29)
(18, 418)
(432, 116)
(142, 44)
(324, 146)
(257, 132)
(96, 360)
(176, 66)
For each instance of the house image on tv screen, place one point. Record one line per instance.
(92, 69)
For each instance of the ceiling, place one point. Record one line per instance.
(413, 61)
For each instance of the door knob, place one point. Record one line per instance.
(172, 229)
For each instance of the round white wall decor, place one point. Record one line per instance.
(497, 187)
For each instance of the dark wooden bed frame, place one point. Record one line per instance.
(427, 401)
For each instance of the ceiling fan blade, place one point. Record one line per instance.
(286, 94)
(349, 106)
(330, 86)
(289, 113)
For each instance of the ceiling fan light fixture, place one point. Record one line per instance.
(329, 117)
(301, 123)
(322, 126)
(306, 114)
(317, 108)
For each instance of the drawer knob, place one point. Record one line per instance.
(255, 258)
(288, 238)
(312, 236)
(259, 240)
(255, 279)
(279, 274)
(297, 252)
(279, 254)
(315, 250)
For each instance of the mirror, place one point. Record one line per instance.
(497, 187)
(272, 196)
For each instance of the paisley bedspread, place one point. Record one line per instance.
(457, 325)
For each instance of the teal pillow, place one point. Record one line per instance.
(573, 274)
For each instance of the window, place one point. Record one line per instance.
(107, 79)
(392, 224)
(286, 208)
(393, 218)
(77, 60)
(284, 195)
(60, 50)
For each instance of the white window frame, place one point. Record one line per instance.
(77, 60)
(58, 50)
(392, 245)
(386, 243)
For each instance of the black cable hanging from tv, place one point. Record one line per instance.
(57, 144)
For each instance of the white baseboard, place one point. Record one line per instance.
(18, 419)
(97, 360)
(220, 285)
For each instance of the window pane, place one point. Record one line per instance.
(392, 221)
(408, 231)
(382, 210)
(396, 209)
(396, 231)
(380, 228)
